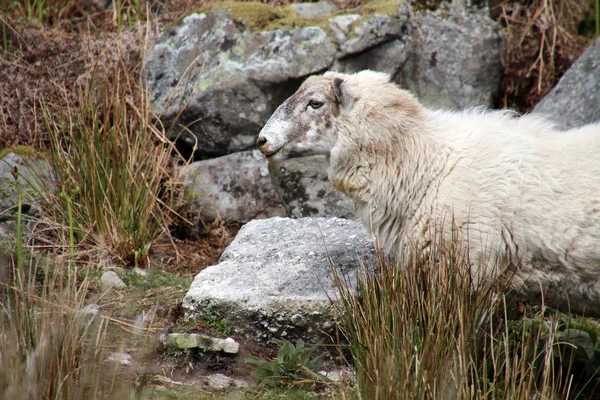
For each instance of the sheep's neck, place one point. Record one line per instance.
(394, 174)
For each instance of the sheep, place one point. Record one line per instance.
(524, 194)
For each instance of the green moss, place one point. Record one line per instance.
(260, 17)
(387, 7)
(24, 151)
(255, 16)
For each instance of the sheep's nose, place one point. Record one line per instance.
(261, 141)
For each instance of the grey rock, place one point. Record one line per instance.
(455, 59)
(217, 82)
(314, 10)
(357, 35)
(224, 81)
(236, 187)
(221, 381)
(33, 176)
(141, 272)
(8, 227)
(110, 279)
(344, 374)
(575, 100)
(120, 358)
(275, 279)
(388, 57)
(204, 342)
(581, 340)
(304, 190)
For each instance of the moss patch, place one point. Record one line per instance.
(387, 7)
(259, 17)
(24, 151)
(255, 16)
(262, 17)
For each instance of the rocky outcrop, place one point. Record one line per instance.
(454, 60)
(275, 279)
(222, 81)
(28, 174)
(305, 191)
(575, 100)
(222, 72)
(236, 187)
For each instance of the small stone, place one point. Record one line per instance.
(120, 358)
(218, 381)
(230, 346)
(182, 340)
(207, 343)
(111, 279)
(140, 272)
(298, 320)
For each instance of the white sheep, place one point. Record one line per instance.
(524, 194)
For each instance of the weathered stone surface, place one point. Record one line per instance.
(314, 10)
(235, 187)
(221, 381)
(355, 33)
(227, 79)
(304, 190)
(275, 279)
(454, 60)
(575, 100)
(120, 358)
(33, 175)
(388, 57)
(224, 80)
(204, 342)
(110, 279)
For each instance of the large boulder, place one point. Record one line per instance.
(575, 100)
(275, 279)
(219, 74)
(236, 187)
(305, 191)
(221, 80)
(454, 61)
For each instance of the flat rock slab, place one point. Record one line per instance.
(275, 279)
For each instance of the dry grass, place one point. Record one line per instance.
(50, 348)
(423, 329)
(541, 42)
(112, 163)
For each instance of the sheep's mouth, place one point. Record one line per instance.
(272, 153)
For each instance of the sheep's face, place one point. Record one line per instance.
(304, 124)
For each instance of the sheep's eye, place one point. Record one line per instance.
(315, 104)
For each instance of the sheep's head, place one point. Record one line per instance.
(305, 123)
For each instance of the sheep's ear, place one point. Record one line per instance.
(342, 96)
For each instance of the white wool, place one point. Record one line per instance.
(521, 193)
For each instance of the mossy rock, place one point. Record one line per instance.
(387, 7)
(23, 151)
(258, 17)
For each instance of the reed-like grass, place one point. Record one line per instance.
(50, 347)
(111, 164)
(426, 329)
